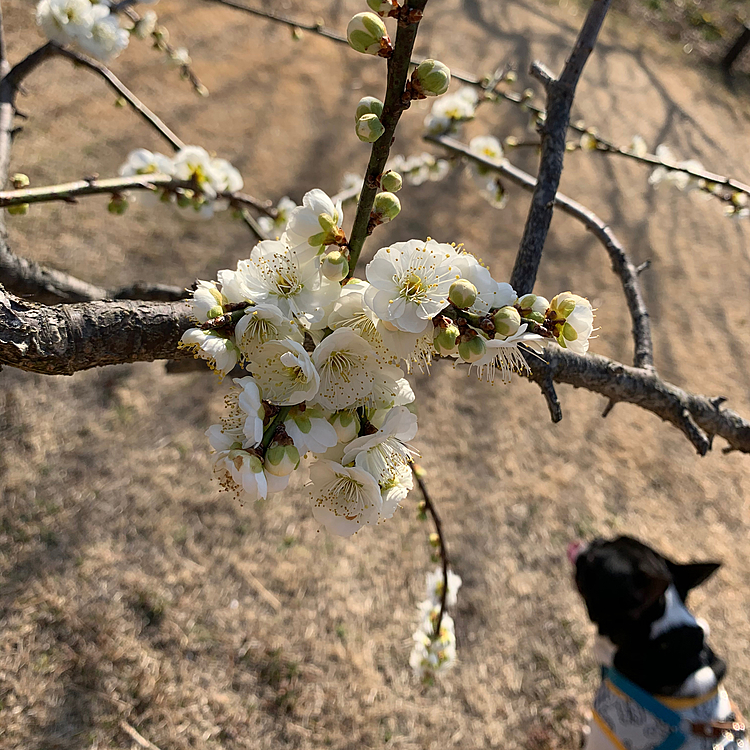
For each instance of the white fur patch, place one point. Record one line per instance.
(675, 615)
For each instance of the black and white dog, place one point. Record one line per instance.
(660, 680)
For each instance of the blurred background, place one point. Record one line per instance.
(132, 589)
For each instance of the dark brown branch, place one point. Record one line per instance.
(560, 94)
(122, 90)
(417, 472)
(393, 107)
(622, 265)
(63, 339)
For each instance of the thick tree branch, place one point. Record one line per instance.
(560, 94)
(63, 339)
(622, 265)
(393, 107)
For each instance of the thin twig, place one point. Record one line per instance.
(560, 93)
(123, 91)
(393, 107)
(69, 192)
(622, 265)
(417, 471)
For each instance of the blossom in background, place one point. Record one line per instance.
(449, 111)
(343, 498)
(90, 26)
(419, 168)
(142, 161)
(274, 226)
(435, 587)
(680, 180)
(432, 654)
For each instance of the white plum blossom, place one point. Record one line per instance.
(347, 366)
(317, 222)
(411, 348)
(451, 110)
(274, 273)
(430, 655)
(394, 490)
(385, 451)
(343, 498)
(142, 161)
(310, 430)
(245, 412)
(239, 471)
(220, 352)
(195, 163)
(490, 293)
(578, 314)
(271, 226)
(680, 180)
(206, 302)
(62, 20)
(410, 282)
(420, 168)
(435, 587)
(503, 355)
(260, 324)
(104, 39)
(285, 373)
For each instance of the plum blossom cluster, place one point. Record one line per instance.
(326, 360)
(90, 26)
(212, 179)
(435, 652)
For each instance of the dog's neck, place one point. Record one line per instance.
(670, 657)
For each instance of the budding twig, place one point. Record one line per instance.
(430, 506)
(622, 265)
(393, 107)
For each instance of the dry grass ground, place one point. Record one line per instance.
(132, 590)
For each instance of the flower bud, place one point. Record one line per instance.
(462, 294)
(20, 209)
(145, 26)
(118, 205)
(382, 7)
(537, 317)
(368, 105)
(391, 181)
(589, 141)
(444, 340)
(19, 181)
(434, 539)
(335, 266)
(346, 424)
(367, 33)
(432, 77)
(473, 349)
(507, 321)
(511, 76)
(369, 128)
(386, 207)
(534, 302)
(281, 460)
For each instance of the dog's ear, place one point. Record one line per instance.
(690, 575)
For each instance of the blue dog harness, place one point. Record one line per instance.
(633, 719)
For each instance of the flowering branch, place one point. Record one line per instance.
(393, 107)
(622, 265)
(560, 94)
(69, 192)
(63, 339)
(418, 473)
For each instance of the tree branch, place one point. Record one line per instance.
(393, 107)
(622, 265)
(122, 90)
(560, 94)
(63, 339)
